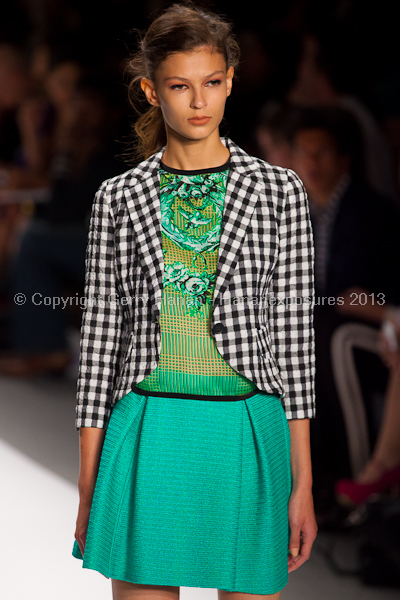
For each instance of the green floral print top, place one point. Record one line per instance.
(192, 203)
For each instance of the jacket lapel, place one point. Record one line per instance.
(242, 192)
(144, 208)
(143, 201)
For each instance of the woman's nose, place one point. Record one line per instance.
(198, 100)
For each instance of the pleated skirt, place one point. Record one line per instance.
(193, 492)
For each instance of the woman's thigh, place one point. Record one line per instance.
(124, 590)
(224, 595)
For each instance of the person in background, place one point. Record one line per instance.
(52, 249)
(319, 82)
(347, 214)
(382, 470)
(38, 112)
(356, 237)
(34, 114)
(15, 86)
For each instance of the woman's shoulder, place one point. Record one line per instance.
(258, 167)
(275, 172)
(131, 176)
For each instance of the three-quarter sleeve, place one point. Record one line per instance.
(100, 341)
(291, 309)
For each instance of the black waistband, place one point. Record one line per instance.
(138, 390)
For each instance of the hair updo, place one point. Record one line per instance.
(180, 28)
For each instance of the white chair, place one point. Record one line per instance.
(345, 338)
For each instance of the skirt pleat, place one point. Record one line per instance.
(193, 493)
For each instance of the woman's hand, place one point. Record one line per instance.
(82, 523)
(303, 527)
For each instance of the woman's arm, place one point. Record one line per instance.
(303, 525)
(102, 319)
(100, 353)
(90, 446)
(291, 314)
(300, 454)
(293, 341)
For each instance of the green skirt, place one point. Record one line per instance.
(193, 493)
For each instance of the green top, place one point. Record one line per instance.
(192, 203)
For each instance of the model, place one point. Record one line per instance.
(196, 377)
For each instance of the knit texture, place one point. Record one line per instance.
(193, 493)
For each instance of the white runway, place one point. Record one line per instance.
(37, 523)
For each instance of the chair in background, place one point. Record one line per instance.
(345, 339)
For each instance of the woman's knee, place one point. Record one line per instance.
(125, 590)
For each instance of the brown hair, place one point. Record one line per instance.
(180, 28)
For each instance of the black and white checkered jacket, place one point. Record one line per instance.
(262, 317)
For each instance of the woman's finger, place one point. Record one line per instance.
(308, 534)
(294, 542)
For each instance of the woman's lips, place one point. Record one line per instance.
(199, 120)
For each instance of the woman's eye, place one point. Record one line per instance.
(215, 82)
(178, 86)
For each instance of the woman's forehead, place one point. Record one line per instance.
(199, 63)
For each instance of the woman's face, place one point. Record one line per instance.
(317, 161)
(191, 89)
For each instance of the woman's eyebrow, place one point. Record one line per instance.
(183, 79)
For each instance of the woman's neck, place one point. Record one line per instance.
(189, 155)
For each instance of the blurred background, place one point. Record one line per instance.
(318, 91)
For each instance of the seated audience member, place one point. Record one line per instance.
(33, 114)
(52, 249)
(356, 236)
(382, 470)
(15, 86)
(320, 81)
(38, 111)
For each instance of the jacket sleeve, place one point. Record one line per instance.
(100, 341)
(291, 310)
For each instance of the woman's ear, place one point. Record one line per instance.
(229, 79)
(149, 90)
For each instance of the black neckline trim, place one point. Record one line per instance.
(219, 169)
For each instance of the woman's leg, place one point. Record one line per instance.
(386, 453)
(123, 590)
(224, 595)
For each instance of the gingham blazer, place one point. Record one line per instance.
(262, 312)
